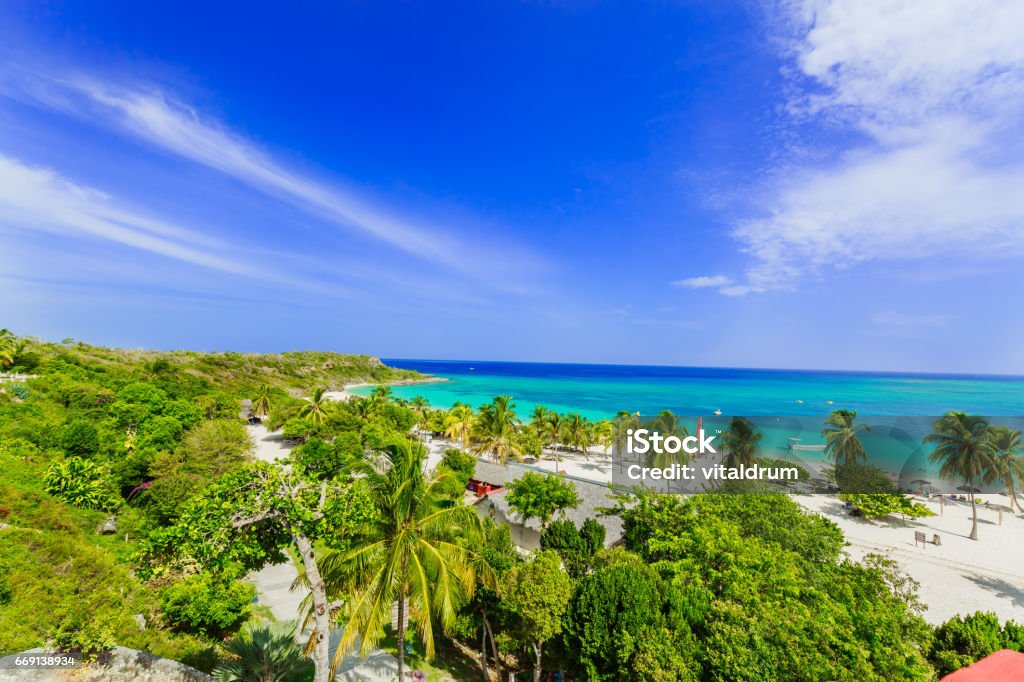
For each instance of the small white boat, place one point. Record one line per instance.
(717, 413)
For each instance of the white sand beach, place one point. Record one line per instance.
(958, 576)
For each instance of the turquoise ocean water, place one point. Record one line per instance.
(791, 403)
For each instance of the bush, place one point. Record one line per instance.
(962, 640)
(6, 591)
(461, 463)
(265, 651)
(80, 439)
(168, 495)
(81, 630)
(564, 538)
(209, 604)
(319, 459)
(82, 483)
(296, 428)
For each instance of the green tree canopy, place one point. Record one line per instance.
(539, 496)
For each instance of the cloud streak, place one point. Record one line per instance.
(40, 201)
(159, 119)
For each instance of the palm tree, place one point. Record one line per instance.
(380, 394)
(264, 652)
(623, 423)
(667, 424)
(575, 432)
(458, 424)
(413, 554)
(261, 406)
(8, 345)
(495, 430)
(315, 408)
(965, 448)
(554, 427)
(604, 433)
(539, 418)
(842, 439)
(740, 443)
(419, 406)
(1009, 449)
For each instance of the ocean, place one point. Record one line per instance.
(600, 391)
(784, 404)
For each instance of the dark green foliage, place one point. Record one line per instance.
(6, 590)
(318, 459)
(761, 586)
(962, 640)
(296, 428)
(862, 479)
(160, 433)
(612, 612)
(463, 466)
(593, 534)
(575, 547)
(462, 463)
(81, 439)
(208, 604)
(167, 495)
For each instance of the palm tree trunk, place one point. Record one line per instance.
(321, 609)
(1014, 504)
(494, 646)
(483, 652)
(537, 669)
(974, 514)
(401, 634)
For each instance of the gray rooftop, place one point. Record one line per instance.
(592, 496)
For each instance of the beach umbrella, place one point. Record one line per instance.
(969, 489)
(920, 481)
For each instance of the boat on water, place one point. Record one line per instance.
(795, 444)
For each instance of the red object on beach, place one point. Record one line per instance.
(700, 425)
(1002, 666)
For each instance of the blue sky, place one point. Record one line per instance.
(821, 184)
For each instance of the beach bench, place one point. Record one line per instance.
(920, 537)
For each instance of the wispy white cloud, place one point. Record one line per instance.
(703, 282)
(935, 92)
(158, 118)
(36, 200)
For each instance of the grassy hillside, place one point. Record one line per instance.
(100, 431)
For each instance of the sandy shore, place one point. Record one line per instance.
(958, 576)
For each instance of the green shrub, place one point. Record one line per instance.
(82, 483)
(82, 630)
(208, 603)
(317, 458)
(296, 428)
(962, 640)
(81, 439)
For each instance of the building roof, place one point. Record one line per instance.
(592, 497)
(1002, 666)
